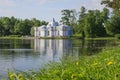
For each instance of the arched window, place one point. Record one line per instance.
(39, 33)
(48, 33)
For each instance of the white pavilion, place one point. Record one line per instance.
(53, 29)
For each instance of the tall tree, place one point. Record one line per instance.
(113, 25)
(35, 22)
(23, 27)
(12, 23)
(90, 24)
(6, 24)
(69, 18)
(81, 21)
(99, 21)
(1, 29)
(66, 16)
(94, 23)
(105, 14)
(114, 4)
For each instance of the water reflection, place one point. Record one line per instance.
(53, 49)
(91, 47)
(24, 55)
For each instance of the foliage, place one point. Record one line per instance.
(89, 24)
(68, 17)
(32, 31)
(1, 29)
(14, 26)
(103, 66)
(113, 25)
(93, 24)
(81, 21)
(117, 36)
(115, 4)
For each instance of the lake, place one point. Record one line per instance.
(32, 54)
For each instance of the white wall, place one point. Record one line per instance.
(42, 33)
(60, 33)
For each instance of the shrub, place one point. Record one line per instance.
(117, 36)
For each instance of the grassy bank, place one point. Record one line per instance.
(72, 37)
(16, 37)
(102, 66)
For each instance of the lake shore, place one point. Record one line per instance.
(72, 37)
(23, 37)
(103, 66)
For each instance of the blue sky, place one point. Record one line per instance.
(43, 9)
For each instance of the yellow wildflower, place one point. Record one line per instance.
(72, 76)
(20, 77)
(77, 63)
(110, 63)
(12, 75)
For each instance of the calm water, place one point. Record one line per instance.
(24, 55)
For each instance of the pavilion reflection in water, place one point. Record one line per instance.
(53, 48)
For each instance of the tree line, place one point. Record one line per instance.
(14, 26)
(94, 23)
(87, 23)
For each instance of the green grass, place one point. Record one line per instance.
(102, 38)
(102, 66)
(16, 37)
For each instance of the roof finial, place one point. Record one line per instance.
(53, 20)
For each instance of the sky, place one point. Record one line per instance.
(43, 9)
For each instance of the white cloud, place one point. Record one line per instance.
(7, 3)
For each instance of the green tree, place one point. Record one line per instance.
(69, 18)
(94, 23)
(114, 4)
(81, 22)
(35, 22)
(1, 29)
(113, 25)
(23, 27)
(32, 31)
(19, 27)
(6, 24)
(12, 23)
(90, 24)
(99, 21)
(105, 14)
(43, 22)
(66, 16)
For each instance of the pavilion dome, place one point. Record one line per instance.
(53, 23)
